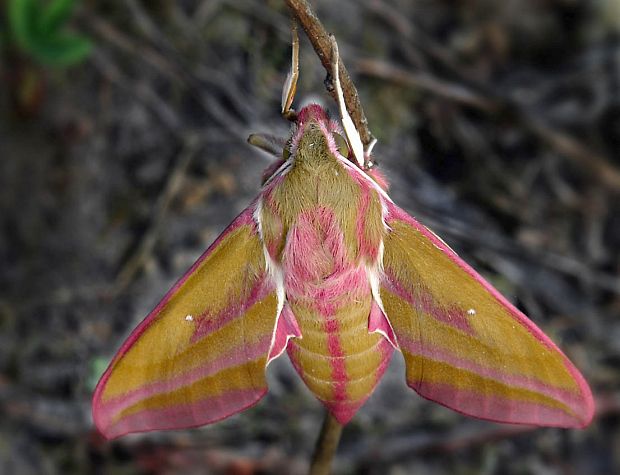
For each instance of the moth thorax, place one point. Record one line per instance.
(313, 149)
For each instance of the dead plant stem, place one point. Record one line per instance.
(321, 42)
(326, 445)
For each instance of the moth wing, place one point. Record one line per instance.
(465, 346)
(200, 355)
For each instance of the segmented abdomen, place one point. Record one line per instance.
(338, 359)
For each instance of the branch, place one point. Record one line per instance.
(326, 446)
(490, 102)
(147, 243)
(425, 81)
(318, 36)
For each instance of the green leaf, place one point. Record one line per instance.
(21, 15)
(62, 50)
(37, 30)
(54, 15)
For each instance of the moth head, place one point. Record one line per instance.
(315, 128)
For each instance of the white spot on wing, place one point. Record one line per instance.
(189, 318)
(471, 312)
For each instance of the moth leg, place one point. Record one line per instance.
(290, 85)
(353, 136)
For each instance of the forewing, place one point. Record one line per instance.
(465, 346)
(200, 355)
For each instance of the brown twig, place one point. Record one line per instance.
(326, 445)
(576, 151)
(425, 81)
(173, 70)
(320, 39)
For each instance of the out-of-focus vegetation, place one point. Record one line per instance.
(38, 28)
(498, 126)
(35, 35)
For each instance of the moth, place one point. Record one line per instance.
(324, 266)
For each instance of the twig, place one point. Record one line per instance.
(326, 445)
(136, 261)
(175, 72)
(456, 92)
(564, 144)
(322, 45)
(110, 34)
(576, 151)
(372, 452)
(142, 91)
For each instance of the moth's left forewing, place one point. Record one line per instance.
(465, 346)
(201, 354)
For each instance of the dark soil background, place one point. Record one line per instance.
(498, 126)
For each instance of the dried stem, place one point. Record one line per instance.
(326, 445)
(320, 39)
(147, 243)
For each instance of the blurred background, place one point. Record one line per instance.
(122, 156)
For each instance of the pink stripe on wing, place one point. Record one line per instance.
(207, 323)
(185, 416)
(495, 408)
(234, 357)
(568, 397)
(423, 301)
